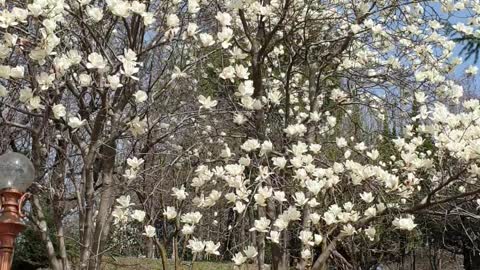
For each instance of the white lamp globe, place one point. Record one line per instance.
(16, 171)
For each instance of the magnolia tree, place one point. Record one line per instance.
(193, 120)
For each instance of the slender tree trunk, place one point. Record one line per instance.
(55, 264)
(163, 253)
(261, 242)
(150, 249)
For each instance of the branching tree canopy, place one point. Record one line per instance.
(289, 132)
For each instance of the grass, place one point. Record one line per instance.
(132, 263)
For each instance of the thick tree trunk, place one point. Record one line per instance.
(471, 259)
(107, 195)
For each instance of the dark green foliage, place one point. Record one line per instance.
(30, 251)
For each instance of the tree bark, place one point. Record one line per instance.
(471, 259)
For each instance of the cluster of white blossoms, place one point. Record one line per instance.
(288, 74)
(123, 215)
(198, 246)
(133, 167)
(386, 188)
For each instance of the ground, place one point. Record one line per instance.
(132, 263)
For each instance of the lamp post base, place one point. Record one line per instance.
(10, 225)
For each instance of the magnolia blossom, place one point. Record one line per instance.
(405, 223)
(3, 91)
(95, 13)
(140, 96)
(250, 252)
(179, 194)
(124, 201)
(75, 122)
(114, 82)
(173, 21)
(59, 111)
(212, 248)
(223, 18)
(137, 126)
(207, 102)
(138, 215)
(195, 245)
(239, 259)
(96, 61)
(135, 162)
(206, 40)
(170, 213)
(150, 231)
(261, 225)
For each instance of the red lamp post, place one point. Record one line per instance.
(16, 175)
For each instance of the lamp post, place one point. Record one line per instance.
(16, 175)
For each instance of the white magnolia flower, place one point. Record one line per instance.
(150, 231)
(212, 248)
(239, 259)
(348, 230)
(370, 232)
(170, 213)
(75, 122)
(119, 8)
(120, 215)
(114, 82)
(140, 96)
(224, 18)
(137, 7)
(84, 79)
(195, 245)
(261, 225)
(135, 162)
(250, 145)
(138, 215)
(239, 206)
(179, 194)
(228, 73)
(193, 6)
(124, 201)
(250, 252)
(173, 21)
(206, 40)
(405, 223)
(207, 102)
(95, 13)
(274, 237)
(130, 174)
(191, 218)
(471, 70)
(148, 18)
(137, 126)
(367, 197)
(306, 254)
(306, 237)
(188, 229)
(59, 111)
(241, 72)
(17, 72)
(96, 61)
(3, 91)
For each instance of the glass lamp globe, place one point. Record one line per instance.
(16, 171)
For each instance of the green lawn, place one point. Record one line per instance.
(132, 263)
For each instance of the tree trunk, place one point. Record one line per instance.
(150, 249)
(471, 259)
(42, 223)
(107, 196)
